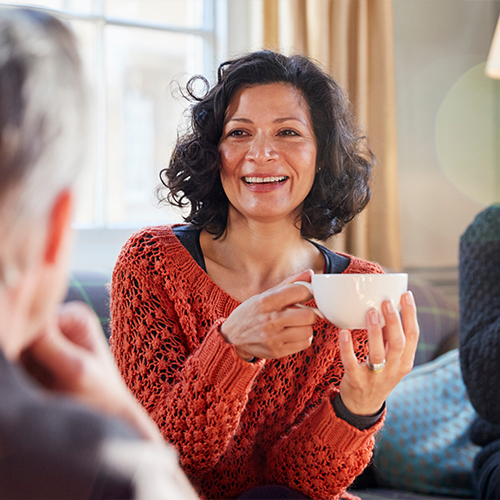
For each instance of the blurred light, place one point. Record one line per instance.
(493, 63)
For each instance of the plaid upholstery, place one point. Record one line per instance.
(438, 320)
(92, 288)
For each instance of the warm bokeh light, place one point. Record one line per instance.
(467, 135)
(493, 64)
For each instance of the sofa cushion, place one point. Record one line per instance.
(425, 446)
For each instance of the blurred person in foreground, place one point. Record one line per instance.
(480, 342)
(69, 428)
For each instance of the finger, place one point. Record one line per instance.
(278, 326)
(410, 327)
(288, 342)
(78, 322)
(376, 347)
(347, 354)
(293, 347)
(297, 317)
(295, 334)
(277, 299)
(393, 332)
(58, 356)
(274, 338)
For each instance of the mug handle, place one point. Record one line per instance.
(302, 306)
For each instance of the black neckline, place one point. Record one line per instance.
(189, 236)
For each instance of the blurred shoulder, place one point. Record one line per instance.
(485, 227)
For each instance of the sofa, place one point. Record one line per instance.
(416, 456)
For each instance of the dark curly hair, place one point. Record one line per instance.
(344, 162)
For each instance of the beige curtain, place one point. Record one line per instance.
(353, 41)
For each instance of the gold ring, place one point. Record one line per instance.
(375, 367)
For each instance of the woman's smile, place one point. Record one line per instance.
(265, 184)
(265, 180)
(268, 152)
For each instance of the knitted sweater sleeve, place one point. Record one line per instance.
(194, 390)
(480, 312)
(322, 455)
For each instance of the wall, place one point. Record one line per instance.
(447, 124)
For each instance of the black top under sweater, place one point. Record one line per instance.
(189, 236)
(480, 321)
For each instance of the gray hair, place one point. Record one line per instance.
(43, 124)
(42, 108)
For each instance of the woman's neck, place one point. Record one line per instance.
(252, 257)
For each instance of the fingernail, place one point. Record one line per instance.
(344, 335)
(373, 317)
(410, 299)
(391, 308)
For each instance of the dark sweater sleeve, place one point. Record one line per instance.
(480, 312)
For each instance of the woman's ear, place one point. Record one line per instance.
(58, 226)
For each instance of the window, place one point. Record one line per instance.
(136, 54)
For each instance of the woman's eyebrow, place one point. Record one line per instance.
(290, 118)
(245, 120)
(277, 120)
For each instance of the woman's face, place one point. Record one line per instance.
(268, 152)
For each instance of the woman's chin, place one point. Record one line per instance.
(266, 213)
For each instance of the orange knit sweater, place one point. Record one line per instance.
(235, 425)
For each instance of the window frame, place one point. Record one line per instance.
(98, 243)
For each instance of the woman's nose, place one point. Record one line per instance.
(262, 149)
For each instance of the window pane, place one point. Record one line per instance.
(82, 6)
(143, 116)
(85, 213)
(183, 13)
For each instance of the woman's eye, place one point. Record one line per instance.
(289, 132)
(236, 133)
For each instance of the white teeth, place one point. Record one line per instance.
(262, 180)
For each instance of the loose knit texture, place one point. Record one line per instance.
(236, 425)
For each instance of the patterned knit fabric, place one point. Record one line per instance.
(480, 312)
(236, 425)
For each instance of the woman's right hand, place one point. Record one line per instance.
(266, 326)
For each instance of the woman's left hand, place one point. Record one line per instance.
(363, 390)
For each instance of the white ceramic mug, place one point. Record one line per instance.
(344, 299)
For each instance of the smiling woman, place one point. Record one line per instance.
(343, 163)
(251, 390)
